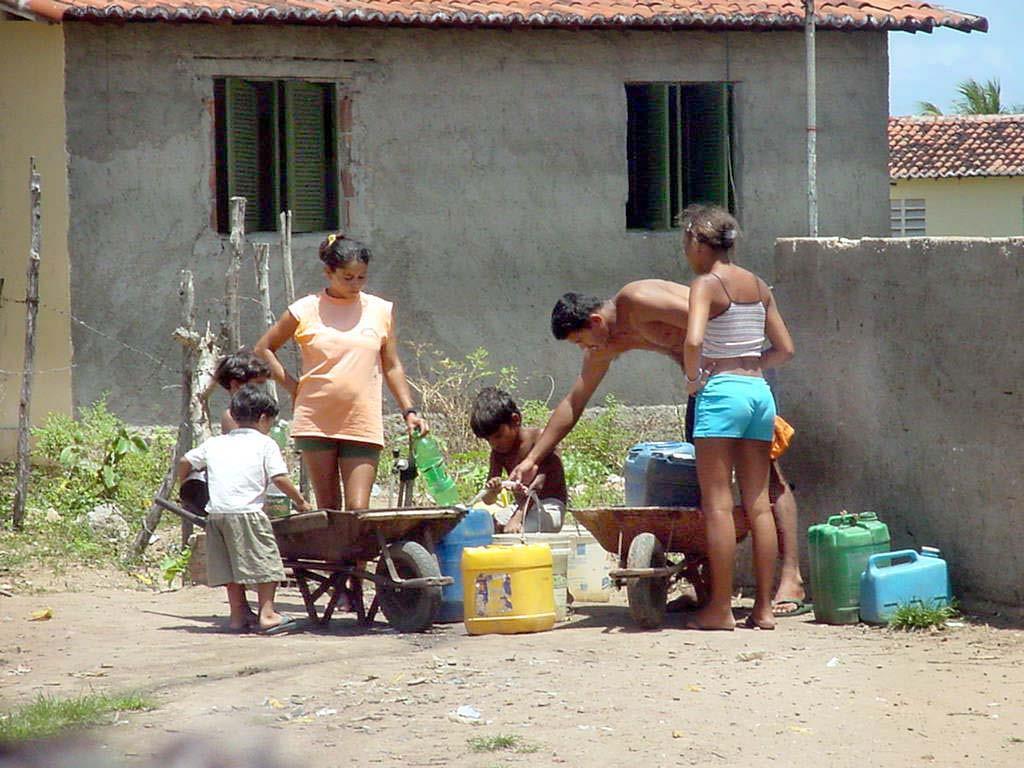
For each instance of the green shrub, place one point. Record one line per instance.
(78, 465)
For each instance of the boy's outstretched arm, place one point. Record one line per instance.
(493, 485)
(564, 417)
(287, 487)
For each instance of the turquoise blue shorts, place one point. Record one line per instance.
(732, 405)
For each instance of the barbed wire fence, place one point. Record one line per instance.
(165, 366)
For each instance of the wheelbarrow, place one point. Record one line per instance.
(643, 537)
(326, 551)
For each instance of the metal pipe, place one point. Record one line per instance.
(812, 120)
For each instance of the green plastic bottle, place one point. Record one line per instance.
(279, 433)
(430, 463)
(839, 552)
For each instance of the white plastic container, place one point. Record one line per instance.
(587, 574)
(560, 546)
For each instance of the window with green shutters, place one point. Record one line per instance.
(276, 146)
(678, 150)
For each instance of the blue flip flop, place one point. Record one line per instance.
(288, 624)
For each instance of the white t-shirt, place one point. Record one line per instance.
(239, 466)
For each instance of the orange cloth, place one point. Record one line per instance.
(782, 438)
(339, 394)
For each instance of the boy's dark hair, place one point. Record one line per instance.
(250, 403)
(242, 366)
(572, 313)
(338, 251)
(492, 408)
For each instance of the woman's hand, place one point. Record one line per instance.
(494, 485)
(414, 422)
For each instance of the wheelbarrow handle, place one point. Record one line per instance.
(181, 512)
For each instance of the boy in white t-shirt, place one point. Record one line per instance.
(240, 545)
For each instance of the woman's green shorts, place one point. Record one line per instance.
(345, 449)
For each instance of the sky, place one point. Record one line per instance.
(927, 67)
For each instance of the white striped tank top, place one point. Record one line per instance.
(736, 332)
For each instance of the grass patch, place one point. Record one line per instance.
(916, 616)
(503, 742)
(49, 716)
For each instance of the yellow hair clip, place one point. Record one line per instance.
(330, 239)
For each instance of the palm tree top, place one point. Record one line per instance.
(975, 99)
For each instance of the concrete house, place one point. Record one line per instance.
(493, 156)
(957, 175)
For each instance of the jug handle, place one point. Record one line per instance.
(890, 556)
(845, 518)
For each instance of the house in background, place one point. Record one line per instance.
(493, 157)
(957, 175)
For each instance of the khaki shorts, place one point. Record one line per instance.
(241, 549)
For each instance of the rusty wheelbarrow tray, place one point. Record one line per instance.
(642, 537)
(327, 552)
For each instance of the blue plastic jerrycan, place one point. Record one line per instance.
(892, 579)
(635, 470)
(476, 529)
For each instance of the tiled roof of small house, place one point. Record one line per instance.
(956, 145)
(909, 15)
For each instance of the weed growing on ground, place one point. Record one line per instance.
(917, 616)
(48, 716)
(501, 742)
(80, 464)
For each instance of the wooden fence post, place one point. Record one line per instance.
(186, 432)
(261, 253)
(289, 298)
(24, 464)
(232, 330)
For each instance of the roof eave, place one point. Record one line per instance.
(52, 10)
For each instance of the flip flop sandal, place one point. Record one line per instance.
(802, 607)
(288, 624)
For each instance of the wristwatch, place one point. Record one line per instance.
(407, 411)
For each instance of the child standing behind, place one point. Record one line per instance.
(240, 545)
(496, 419)
(233, 372)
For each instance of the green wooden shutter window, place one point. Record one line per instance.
(708, 151)
(243, 141)
(650, 202)
(306, 166)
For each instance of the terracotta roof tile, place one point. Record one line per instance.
(956, 145)
(910, 15)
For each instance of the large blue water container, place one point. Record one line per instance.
(475, 530)
(635, 470)
(892, 579)
(672, 477)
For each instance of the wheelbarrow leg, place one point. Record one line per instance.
(301, 577)
(371, 614)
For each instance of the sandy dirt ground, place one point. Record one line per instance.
(592, 692)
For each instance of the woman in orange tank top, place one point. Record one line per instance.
(349, 350)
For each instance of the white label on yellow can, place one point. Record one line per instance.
(493, 594)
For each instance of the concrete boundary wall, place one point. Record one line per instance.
(907, 394)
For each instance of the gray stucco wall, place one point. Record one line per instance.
(906, 394)
(490, 168)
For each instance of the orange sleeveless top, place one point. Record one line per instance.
(340, 391)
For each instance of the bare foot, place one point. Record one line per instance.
(711, 620)
(751, 623)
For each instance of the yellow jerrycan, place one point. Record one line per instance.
(508, 590)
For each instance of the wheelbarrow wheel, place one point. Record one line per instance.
(646, 596)
(409, 610)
